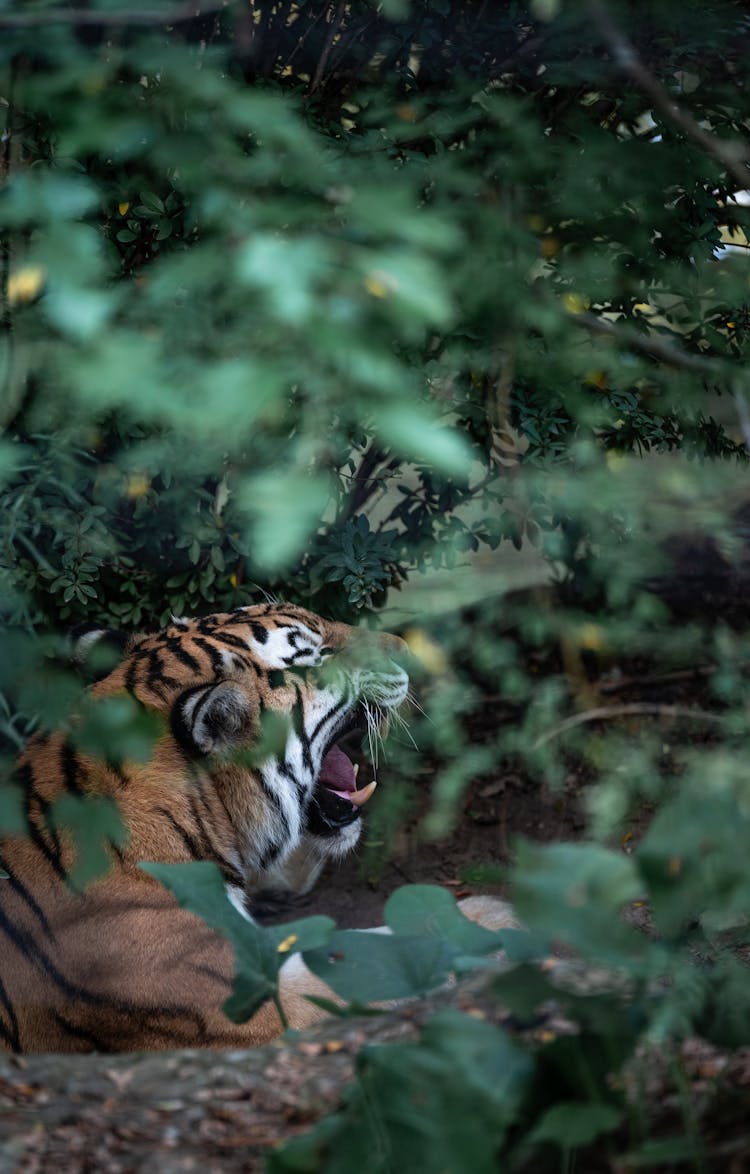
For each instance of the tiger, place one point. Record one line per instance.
(120, 966)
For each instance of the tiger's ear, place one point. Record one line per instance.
(96, 648)
(213, 718)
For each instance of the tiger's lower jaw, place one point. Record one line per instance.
(328, 813)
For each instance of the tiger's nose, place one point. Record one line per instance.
(365, 646)
(394, 647)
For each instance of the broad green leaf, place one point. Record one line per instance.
(367, 967)
(81, 313)
(573, 1123)
(286, 271)
(414, 433)
(576, 893)
(199, 887)
(429, 911)
(286, 508)
(12, 816)
(442, 1104)
(118, 728)
(307, 933)
(412, 284)
(95, 827)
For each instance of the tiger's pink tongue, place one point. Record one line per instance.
(337, 772)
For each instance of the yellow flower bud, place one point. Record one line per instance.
(25, 284)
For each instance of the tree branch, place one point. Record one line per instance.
(365, 483)
(655, 347)
(337, 21)
(634, 709)
(733, 156)
(86, 16)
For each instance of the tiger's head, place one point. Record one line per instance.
(271, 820)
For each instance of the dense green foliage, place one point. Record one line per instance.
(318, 299)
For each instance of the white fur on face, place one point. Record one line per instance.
(286, 647)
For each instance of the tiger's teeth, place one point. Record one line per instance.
(356, 769)
(359, 798)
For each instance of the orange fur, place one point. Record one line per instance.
(121, 966)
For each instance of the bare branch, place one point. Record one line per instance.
(143, 17)
(734, 157)
(744, 417)
(337, 21)
(634, 709)
(366, 482)
(655, 347)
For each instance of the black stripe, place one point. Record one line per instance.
(52, 854)
(228, 871)
(30, 949)
(132, 671)
(234, 641)
(207, 625)
(97, 1042)
(345, 700)
(69, 766)
(10, 1034)
(243, 662)
(188, 840)
(19, 888)
(289, 774)
(272, 853)
(177, 648)
(157, 679)
(298, 725)
(217, 661)
(296, 655)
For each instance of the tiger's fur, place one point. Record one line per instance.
(120, 966)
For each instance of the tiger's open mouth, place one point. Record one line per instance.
(336, 800)
(339, 774)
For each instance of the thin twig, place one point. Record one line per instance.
(660, 679)
(733, 156)
(88, 16)
(654, 347)
(301, 40)
(633, 709)
(336, 24)
(365, 482)
(744, 417)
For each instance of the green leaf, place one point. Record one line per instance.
(573, 1123)
(413, 285)
(286, 270)
(12, 817)
(441, 1105)
(429, 911)
(309, 933)
(576, 893)
(411, 431)
(286, 508)
(371, 967)
(118, 728)
(95, 827)
(199, 887)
